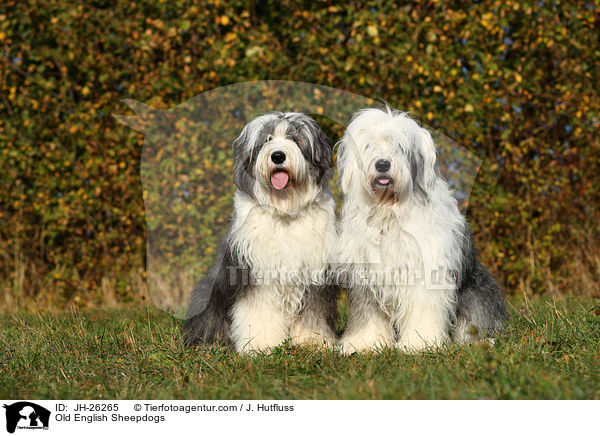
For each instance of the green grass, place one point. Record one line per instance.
(551, 350)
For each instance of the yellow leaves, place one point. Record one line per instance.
(372, 31)
(171, 32)
(485, 19)
(254, 51)
(230, 36)
(469, 108)
(158, 23)
(85, 91)
(2, 36)
(409, 58)
(430, 116)
(437, 88)
(224, 20)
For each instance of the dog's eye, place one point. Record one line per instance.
(367, 146)
(269, 138)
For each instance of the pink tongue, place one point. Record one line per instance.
(279, 179)
(384, 181)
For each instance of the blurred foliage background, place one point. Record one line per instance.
(515, 82)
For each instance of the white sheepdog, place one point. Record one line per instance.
(405, 249)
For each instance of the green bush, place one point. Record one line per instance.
(515, 82)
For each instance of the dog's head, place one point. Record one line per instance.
(386, 157)
(282, 160)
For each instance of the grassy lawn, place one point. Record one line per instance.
(551, 351)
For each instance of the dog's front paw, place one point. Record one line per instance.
(326, 340)
(360, 344)
(414, 344)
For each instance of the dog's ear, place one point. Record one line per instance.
(325, 150)
(243, 153)
(315, 146)
(346, 179)
(325, 157)
(322, 152)
(423, 162)
(343, 162)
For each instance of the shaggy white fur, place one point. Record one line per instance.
(400, 235)
(282, 238)
(287, 257)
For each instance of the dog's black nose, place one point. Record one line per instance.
(382, 165)
(278, 157)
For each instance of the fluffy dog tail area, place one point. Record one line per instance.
(207, 327)
(207, 320)
(480, 310)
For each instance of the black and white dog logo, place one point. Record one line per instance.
(26, 415)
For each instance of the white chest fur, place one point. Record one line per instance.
(284, 253)
(400, 250)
